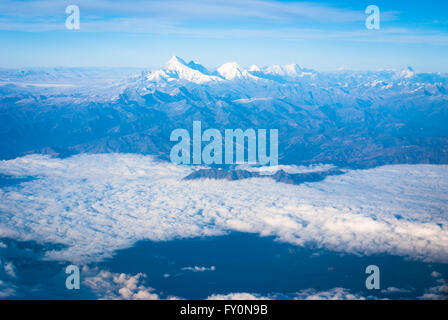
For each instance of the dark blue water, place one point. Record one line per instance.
(249, 263)
(6, 181)
(243, 262)
(36, 278)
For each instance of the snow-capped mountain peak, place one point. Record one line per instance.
(232, 71)
(407, 73)
(289, 70)
(254, 68)
(175, 64)
(178, 69)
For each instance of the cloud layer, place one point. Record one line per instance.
(204, 18)
(307, 294)
(96, 204)
(114, 286)
(182, 12)
(120, 286)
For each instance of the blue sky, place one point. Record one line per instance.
(319, 34)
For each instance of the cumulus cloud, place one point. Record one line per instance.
(436, 293)
(199, 269)
(395, 290)
(237, 296)
(114, 286)
(120, 286)
(307, 294)
(96, 204)
(6, 290)
(333, 294)
(8, 268)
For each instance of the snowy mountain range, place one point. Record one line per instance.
(179, 70)
(344, 118)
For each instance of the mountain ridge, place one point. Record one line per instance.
(345, 118)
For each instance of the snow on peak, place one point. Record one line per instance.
(407, 73)
(178, 69)
(254, 68)
(232, 71)
(175, 63)
(291, 70)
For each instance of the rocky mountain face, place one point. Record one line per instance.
(345, 118)
(278, 176)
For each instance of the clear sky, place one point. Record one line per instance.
(323, 35)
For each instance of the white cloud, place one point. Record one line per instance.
(120, 286)
(199, 269)
(435, 274)
(395, 290)
(289, 20)
(96, 204)
(333, 294)
(237, 296)
(6, 290)
(114, 286)
(307, 294)
(436, 293)
(180, 11)
(10, 269)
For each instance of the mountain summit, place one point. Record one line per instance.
(232, 71)
(407, 73)
(289, 70)
(178, 69)
(175, 63)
